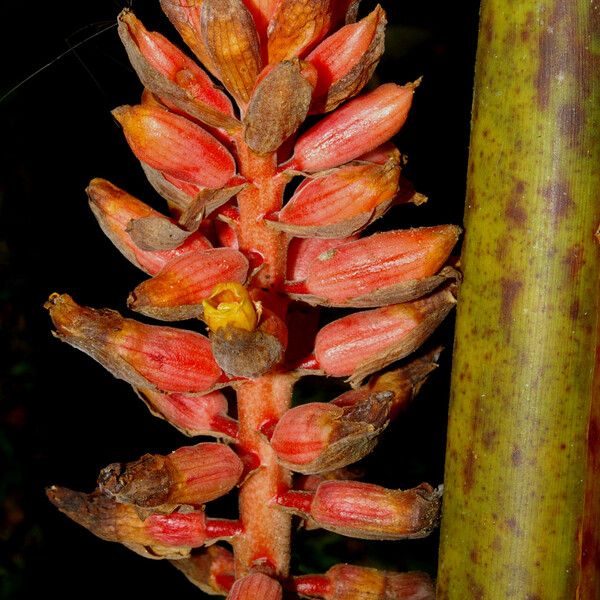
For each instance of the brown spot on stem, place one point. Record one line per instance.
(509, 289)
(571, 119)
(501, 249)
(574, 260)
(515, 210)
(475, 589)
(473, 556)
(574, 310)
(496, 544)
(469, 471)
(516, 456)
(489, 438)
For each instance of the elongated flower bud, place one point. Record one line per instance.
(364, 342)
(296, 26)
(160, 358)
(256, 586)
(355, 128)
(210, 569)
(166, 71)
(158, 536)
(385, 268)
(193, 415)
(346, 60)
(350, 582)
(177, 292)
(340, 203)
(315, 437)
(302, 252)
(368, 511)
(176, 146)
(229, 34)
(191, 476)
(115, 209)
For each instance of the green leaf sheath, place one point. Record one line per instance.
(521, 502)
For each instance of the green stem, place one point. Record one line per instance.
(522, 499)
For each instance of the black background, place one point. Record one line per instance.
(62, 417)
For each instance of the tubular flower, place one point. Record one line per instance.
(254, 267)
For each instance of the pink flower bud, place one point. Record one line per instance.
(115, 210)
(177, 292)
(158, 62)
(302, 252)
(158, 536)
(364, 342)
(191, 476)
(346, 60)
(359, 126)
(384, 268)
(163, 358)
(350, 582)
(192, 414)
(368, 511)
(175, 146)
(340, 203)
(256, 586)
(315, 437)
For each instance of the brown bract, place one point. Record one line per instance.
(278, 106)
(156, 233)
(228, 32)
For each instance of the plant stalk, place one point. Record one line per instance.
(522, 499)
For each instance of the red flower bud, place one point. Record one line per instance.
(162, 358)
(365, 342)
(191, 476)
(177, 292)
(166, 71)
(315, 437)
(355, 128)
(175, 146)
(192, 414)
(256, 586)
(350, 582)
(340, 203)
(116, 209)
(385, 268)
(369, 511)
(346, 60)
(157, 536)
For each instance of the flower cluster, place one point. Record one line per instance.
(254, 258)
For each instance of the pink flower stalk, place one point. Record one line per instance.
(220, 141)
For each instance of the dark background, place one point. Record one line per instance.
(62, 418)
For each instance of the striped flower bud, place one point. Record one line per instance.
(232, 42)
(178, 81)
(146, 356)
(178, 291)
(192, 476)
(193, 415)
(316, 437)
(210, 569)
(340, 203)
(158, 536)
(384, 268)
(367, 511)
(350, 582)
(359, 126)
(115, 209)
(175, 146)
(346, 60)
(296, 27)
(256, 586)
(365, 342)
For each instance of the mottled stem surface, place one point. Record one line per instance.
(521, 497)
